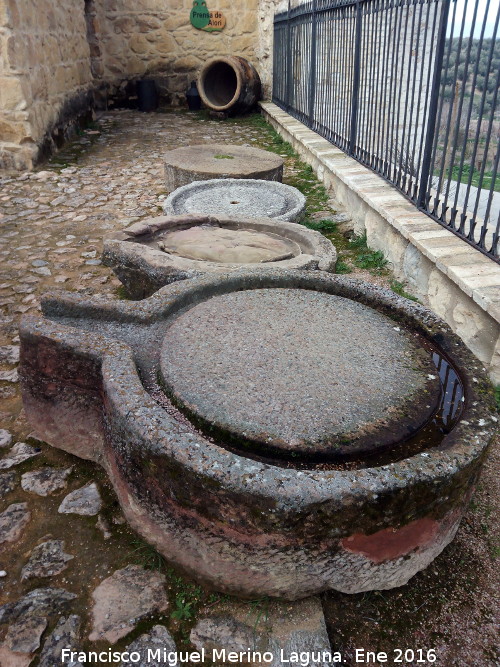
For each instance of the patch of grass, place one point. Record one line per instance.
(259, 608)
(342, 267)
(399, 288)
(373, 260)
(358, 242)
(224, 157)
(146, 556)
(305, 180)
(497, 396)
(121, 293)
(281, 146)
(365, 258)
(324, 226)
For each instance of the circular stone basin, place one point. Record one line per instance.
(206, 161)
(158, 251)
(233, 246)
(293, 371)
(237, 197)
(249, 424)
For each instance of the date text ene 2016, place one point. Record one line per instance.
(398, 656)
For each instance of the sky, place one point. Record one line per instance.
(468, 5)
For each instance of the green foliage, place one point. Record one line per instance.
(497, 396)
(486, 74)
(324, 226)
(358, 242)
(399, 288)
(259, 608)
(184, 611)
(146, 556)
(121, 293)
(365, 258)
(342, 267)
(468, 172)
(373, 260)
(221, 156)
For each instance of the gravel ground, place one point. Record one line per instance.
(51, 228)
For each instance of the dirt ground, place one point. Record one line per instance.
(51, 227)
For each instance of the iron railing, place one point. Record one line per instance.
(410, 88)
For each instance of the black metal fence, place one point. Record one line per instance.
(410, 88)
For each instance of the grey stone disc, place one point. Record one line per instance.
(199, 163)
(293, 371)
(234, 197)
(216, 244)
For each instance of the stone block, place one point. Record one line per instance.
(443, 295)
(159, 251)
(123, 24)
(11, 93)
(476, 328)
(175, 21)
(4, 15)
(187, 64)
(381, 236)
(146, 23)
(165, 44)
(247, 23)
(494, 370)
(138, 43)
(14, 132)
(416, 269)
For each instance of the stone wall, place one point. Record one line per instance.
(155, 38)
(58, 57)
(45, 76)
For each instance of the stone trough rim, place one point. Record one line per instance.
(293, 215)
(122, 241)
(302, 488)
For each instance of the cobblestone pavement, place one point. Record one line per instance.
(51, 228)
(52, 221)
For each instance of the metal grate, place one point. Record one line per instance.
(410, 88)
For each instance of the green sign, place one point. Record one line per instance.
(200, 16)
(203, 19)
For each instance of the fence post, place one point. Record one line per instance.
(433, 106)
(288, 57)
(355, 79)
(312, 80)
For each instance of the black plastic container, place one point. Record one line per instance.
(147, 95)
(193, 97)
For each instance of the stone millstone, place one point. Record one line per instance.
(201, 163)
(292, 372)
(237, 198)
(158, 251)
(215, 244)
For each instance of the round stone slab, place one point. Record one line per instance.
(200, 163)
(295, 372)
(237, 198)
(157, 251)
(216, 244)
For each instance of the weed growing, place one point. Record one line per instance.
(399, 288)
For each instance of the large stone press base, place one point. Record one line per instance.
(233, 523)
